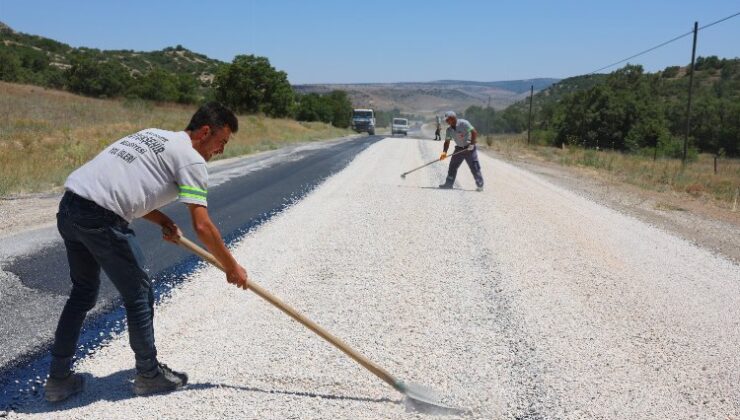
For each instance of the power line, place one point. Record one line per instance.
(663, 44)
(718, 21)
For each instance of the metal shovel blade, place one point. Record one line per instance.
(426, 400)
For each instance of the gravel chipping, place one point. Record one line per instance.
(523, 301)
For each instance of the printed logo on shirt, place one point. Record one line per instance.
(154, 142)
(139, 142)
(126, 156)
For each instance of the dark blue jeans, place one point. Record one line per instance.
(472, 160)
(96, 237)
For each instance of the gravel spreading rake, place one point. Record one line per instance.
(403, 175)
(419, 396)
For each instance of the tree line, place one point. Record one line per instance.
(383, 118)
(249, 84)
(632, 111)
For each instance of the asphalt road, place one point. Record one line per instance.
(34, 284)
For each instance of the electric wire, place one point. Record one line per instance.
(664, 43)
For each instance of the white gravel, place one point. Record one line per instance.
(524, 301)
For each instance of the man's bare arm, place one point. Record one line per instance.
(210, 236)
(170, 231)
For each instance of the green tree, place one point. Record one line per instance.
(157, 85)
(106, 79)
(187, 89)
(341, 108)
(334, 108)
(483, 119)
(250, 84)
(312, 107)
(10, 65)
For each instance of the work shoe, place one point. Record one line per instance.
(163, 379)
(445, 186)
(479, 189)
(57, 390)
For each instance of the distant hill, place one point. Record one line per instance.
(178, 60)
(673, 81)
(42, 61)
(433, 97)
(632, 110)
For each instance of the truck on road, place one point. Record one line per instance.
(400, 126)
(363, 120)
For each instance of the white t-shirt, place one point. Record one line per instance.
(461, 133)
(143, 172)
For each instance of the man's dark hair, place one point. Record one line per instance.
(215, 115)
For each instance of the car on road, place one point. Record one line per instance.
(400, 126)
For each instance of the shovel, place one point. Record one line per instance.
(418, 395)
(403, 175)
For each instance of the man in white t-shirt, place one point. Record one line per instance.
(466, 138)
(132, 178)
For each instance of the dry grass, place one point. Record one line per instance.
(696, 179)
(46, 134)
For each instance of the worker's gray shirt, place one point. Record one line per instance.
(143, 172)
(461, 133)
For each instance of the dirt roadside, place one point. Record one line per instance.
(28, 212)
(697, 220)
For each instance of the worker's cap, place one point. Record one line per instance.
(449, 114)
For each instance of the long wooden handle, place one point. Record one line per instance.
(264, 294)
(434, 161)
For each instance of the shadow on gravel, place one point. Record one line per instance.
(437, 188)
(408, 404)
(114, 387)
(208, 385)
(410, 137)
(118, 387)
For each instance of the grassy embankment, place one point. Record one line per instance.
(46, 134)
(696, 179)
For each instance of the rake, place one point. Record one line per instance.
(403, 175)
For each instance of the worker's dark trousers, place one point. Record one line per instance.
(96, 237)
(472, 160)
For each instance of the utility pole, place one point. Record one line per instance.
(486, 116)
(688, 106)
(529, 128)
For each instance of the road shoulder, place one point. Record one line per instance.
(698, 221)
(29, 212)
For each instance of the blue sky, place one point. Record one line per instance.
(392, 41)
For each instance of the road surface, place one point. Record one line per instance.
(243, 192)
(521, 301)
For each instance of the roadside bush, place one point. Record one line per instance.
(334, 108)
(251, 85)
(544, 137)
(672, 147)
(106, 79)
(670, 72)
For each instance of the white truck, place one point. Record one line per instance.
(363, 120)
(400, 126)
